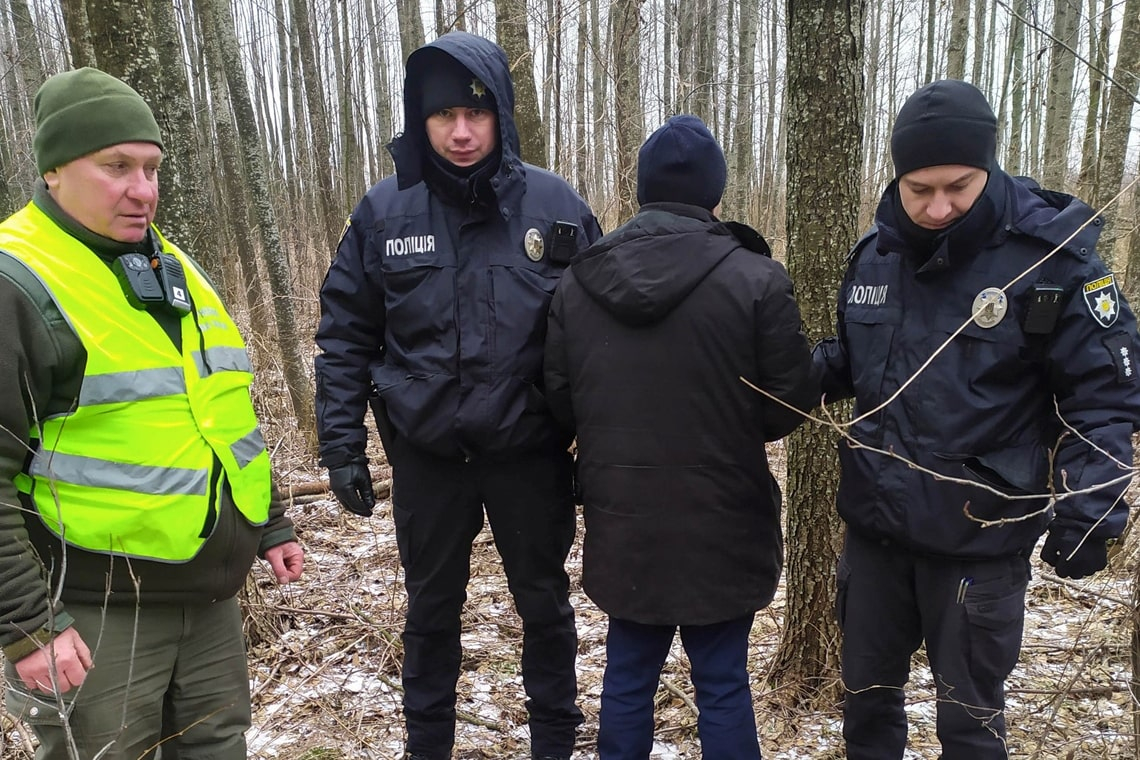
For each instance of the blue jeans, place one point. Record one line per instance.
(718, 655)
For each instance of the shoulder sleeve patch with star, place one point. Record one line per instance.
(1102, 297)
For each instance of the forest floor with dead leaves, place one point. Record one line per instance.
(325, 653)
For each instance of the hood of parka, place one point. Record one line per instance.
(488, 63)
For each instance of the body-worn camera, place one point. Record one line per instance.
(563, 242)
(152, 278)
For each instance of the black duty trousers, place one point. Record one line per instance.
(970, 614)
(438, 505)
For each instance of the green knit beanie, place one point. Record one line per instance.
(85, 110)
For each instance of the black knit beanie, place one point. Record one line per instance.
(945, 122)
(447, 83)
(79, 112)
(681, 163)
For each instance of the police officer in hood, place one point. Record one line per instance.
(434, 312)
(1031, 386)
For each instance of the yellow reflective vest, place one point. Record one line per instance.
(136, 468)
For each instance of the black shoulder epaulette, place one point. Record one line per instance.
(868, 236)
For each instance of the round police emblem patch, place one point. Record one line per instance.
(533, 244)
(989, 307)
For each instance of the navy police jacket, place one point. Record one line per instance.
(962, 426)
(435, 311)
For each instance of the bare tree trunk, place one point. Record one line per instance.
(292, 186)
(78, 33)
(146, 52)
(767, 216)
(29, 59)
(688, 17)
(235, 195)
(18, 90)
(1015, 76)
(744, 155)
(185, 216)
(1036, 76)
(981, 52)
(1098, 44)
(352, 157)
(320, 143)
(1134, 682)
(382, 93)
(724, 129)
(598, 94)
(668, 57)
(218, 20)
(581, 150)
(1059, 97)
(931, 17)
(703, 64)
(554, 74)
(510, 25)
(1117, 129)
(411, 27)
(825, 134)
(959, 36)
(624, 34)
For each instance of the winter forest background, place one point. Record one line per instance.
(275, 115)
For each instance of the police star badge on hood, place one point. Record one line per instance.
(1102, 298)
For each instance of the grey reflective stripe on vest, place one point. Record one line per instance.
(221, 358)
(134, 385)
(248, 447)
(99, 473)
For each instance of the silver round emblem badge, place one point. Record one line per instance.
(990, 307)
(533, 244)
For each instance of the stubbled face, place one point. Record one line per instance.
(463, 136)
(935, 197)
(113, 192)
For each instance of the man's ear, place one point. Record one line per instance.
(52, 179)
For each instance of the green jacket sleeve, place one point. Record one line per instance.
(41, 364)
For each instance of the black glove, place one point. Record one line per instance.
(1091, 557)
(352, 485)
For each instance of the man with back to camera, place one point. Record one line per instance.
(133, 475)
(434, 311)
(650, 332)
(943, 556)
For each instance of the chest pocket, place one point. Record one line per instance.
(872, 333)
(1000, 348)
(524, 277)
(417, 268)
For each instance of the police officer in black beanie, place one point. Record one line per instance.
(649, 334)
(976, 323)
(434, 313)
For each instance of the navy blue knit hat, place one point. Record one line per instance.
(447, 83)
(945, 122)
(681, 163)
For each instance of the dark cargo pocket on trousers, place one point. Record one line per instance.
(404, 523)
(842, 577)
(34, 710)
(995, 625)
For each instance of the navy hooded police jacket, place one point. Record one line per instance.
(1039, 392)
(437, 305)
